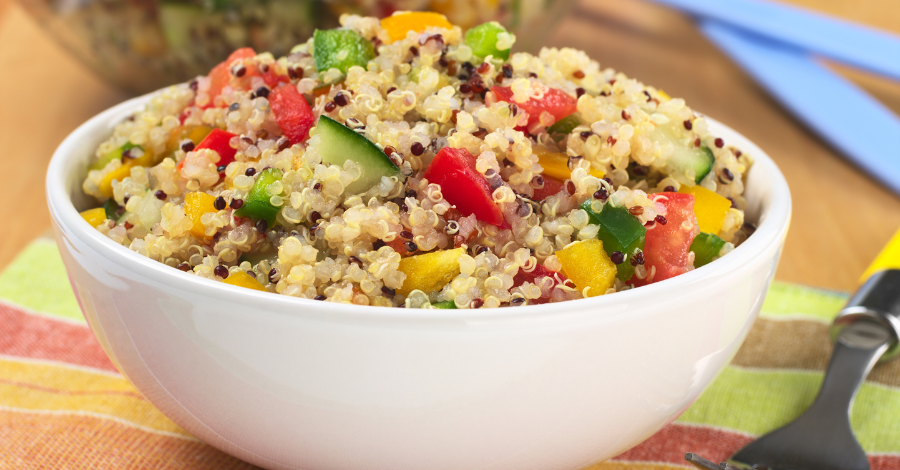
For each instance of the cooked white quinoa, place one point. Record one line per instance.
(417, 96)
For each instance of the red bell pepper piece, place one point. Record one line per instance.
(220, 75)
(219, 141)
(522, 277)
(667, 246)
(292, 112)
(463, 186)
(556, 102)
(551, 187)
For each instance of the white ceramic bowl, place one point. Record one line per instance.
(288, 383)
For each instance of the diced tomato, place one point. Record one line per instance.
(539, 271)
(273, 79)
(220, 75)
(667, 246)
(551, 187)
(219, 141)
(556, 102)
(463, 186)
(292, 112)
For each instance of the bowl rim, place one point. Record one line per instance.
(770, 231)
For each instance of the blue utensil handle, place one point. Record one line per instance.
(857, 125)
(841, 40)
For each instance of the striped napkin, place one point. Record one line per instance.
(64, 405)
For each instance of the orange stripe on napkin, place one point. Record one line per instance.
(79, 441)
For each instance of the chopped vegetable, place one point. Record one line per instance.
(341, 49)
(258, 203)
(555, 102)
(449, 304)
(220, 75)
(667, 246)
(94, 217)
(706, 248)
(463, 186)
(687, 158)
(620, 232)
(292, 112)
(101, 163)
(242, 279)
(556, 165)
(534, 275)
(195, 205)
(398, 25)
(220, 141)
(588, 265)
(110, 207)
(709, 207)
(551, 186)
(561, 129)
(430, 271)
(340, 144)
(483, 40)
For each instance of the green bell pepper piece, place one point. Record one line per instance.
(256, 204)
(562, 128)
(341, 49)
(483, 40)
(706, 248)
(110, 207)
(117, 153)
(619, 231)
(445, 304)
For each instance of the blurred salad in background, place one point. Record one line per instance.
(143, 45)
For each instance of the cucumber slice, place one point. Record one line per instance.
(341, 49)
(483, 40)
(339, 144)
(445, 305)
(686, 158)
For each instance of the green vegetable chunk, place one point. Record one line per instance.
(257, 204)
(706, 248)
(340, 144)
(341, 49)
(562, 128)
(444, 305)
(619, 231)
(686, 157)
(115, 154)
(110, 207)
(483, 40)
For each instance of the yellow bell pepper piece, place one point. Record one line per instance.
(663, 95)
(398, 25)
(119, 174)
(889, 258)
(709, 207)
(588, 266)
(148, 159)
(94, 217)
(556, 165)
(195, 205)
(242, 279)
(431, 271)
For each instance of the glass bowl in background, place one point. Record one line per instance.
(143, 45)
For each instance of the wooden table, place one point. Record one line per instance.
(841, 217)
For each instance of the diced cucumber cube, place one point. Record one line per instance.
(341, 49)
(339, 143)
(561, 129)
(483, 40)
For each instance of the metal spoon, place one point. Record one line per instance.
(867, 329)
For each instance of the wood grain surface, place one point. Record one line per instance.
(841, 217)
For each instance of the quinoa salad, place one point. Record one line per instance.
(406, 162)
